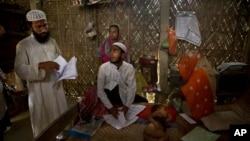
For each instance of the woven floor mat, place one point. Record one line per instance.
(174, 134)
(132, 132)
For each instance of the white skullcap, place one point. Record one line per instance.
(121, 46)
(35, 15)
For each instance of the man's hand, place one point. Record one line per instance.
(125, 109)
(49, 65)
(114, 112)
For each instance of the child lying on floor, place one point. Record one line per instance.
(156, 129)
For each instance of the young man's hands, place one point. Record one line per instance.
(125, 109)
(114, 111)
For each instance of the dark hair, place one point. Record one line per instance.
(155, 107)
(162, 121)
(122, 51)
(115, 26)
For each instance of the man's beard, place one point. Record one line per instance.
(40, 38)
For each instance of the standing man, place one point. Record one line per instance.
(34, 63)
(116, 84)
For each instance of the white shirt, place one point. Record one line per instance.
(109, 76)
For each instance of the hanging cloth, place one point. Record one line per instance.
(172, 49)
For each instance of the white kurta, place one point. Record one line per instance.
(47, 100)
(109, 76)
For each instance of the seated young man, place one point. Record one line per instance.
(116, 84)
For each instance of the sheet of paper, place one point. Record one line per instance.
(122, 120)
(61, 62)
(67, 70)
(187, 118)
(187, 27)
(117, 123)
(181, 26)
(133, 111)
(194, 35)
(128, 122)
(70, 70)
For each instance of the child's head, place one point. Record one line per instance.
(114, 31)
(159, 109)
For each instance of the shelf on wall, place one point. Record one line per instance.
(21, 34)
(14, 11)
(89, 4)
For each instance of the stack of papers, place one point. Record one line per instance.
(124, 120)
(67, 70)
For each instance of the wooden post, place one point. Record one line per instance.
(50, 133)
(247, 56)
(163, 56)
(35, 4)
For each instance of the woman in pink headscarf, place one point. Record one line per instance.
(114, 36)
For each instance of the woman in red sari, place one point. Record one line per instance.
(199, 89)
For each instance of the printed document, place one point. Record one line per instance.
(124, 120)
(67, 70)
(187, 27)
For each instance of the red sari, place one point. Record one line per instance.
(197, 89)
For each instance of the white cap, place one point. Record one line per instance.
(35, 15)
(121, 46)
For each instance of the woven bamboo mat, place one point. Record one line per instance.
(133, 132)
(174, 134)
